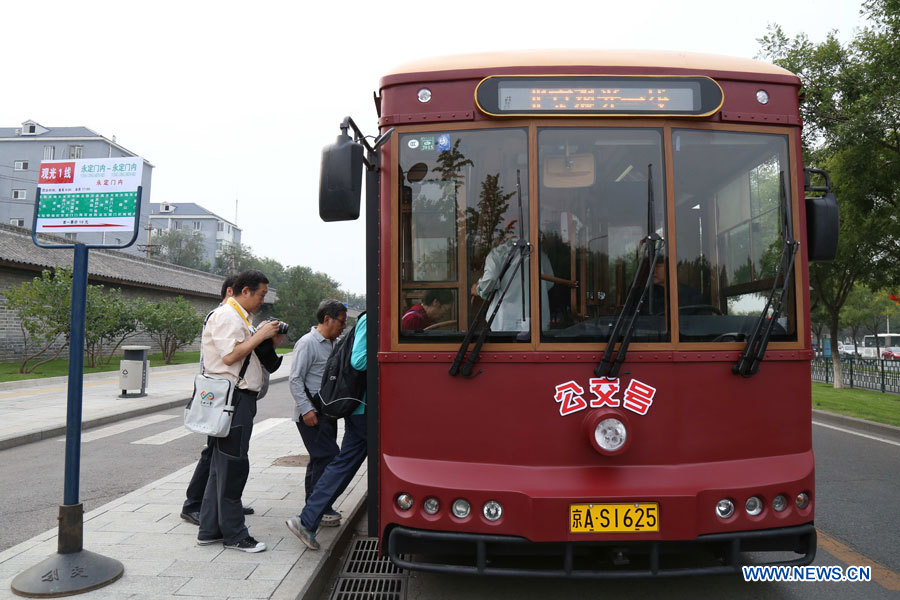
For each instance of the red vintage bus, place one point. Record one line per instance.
(589, 311)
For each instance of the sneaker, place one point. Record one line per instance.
(331, 518)
(248, 544)
(209, 541)
(306, 536)
(191, 517)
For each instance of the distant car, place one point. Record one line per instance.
(892, 353)
(846, 350)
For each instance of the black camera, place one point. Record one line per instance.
(282, 327)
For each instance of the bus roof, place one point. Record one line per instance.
(639, 59)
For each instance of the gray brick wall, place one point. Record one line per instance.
(11, 339)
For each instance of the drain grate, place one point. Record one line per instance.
(364, 561)
(367, 575)
(370, 588)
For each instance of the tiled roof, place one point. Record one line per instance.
(73, 132)
(17, 248)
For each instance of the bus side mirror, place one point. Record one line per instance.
(340, 181)
(822, 224)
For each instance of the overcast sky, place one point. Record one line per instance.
(234, 101)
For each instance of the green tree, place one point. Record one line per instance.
(111, 319)
(43, 306)
(235, 258)
(299, 297)
(818, 318)
(357, 301)
(851, 113)
(859, 310)
(171, 323)
(181, 247)
(881, 309)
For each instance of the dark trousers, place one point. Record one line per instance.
(321, 443)
(197, 486)
(339, 472)
(222, 511)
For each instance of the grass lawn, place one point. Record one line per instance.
(862, 404)
(60, 366)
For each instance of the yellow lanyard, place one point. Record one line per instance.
(233, 304)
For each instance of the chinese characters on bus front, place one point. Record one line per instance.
(637, 397)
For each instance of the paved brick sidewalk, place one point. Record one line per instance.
(144, 531)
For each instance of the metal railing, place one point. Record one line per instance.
(866, 373)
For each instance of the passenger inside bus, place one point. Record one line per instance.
(514, 310)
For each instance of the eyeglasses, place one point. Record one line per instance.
(343, 321)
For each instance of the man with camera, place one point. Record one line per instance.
(190, 510)
(229, 344)
(319, 432)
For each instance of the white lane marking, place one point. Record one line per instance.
(103, 432)
(165, 437)
(263, 426)
(851, 432)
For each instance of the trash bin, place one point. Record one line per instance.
(133, 371)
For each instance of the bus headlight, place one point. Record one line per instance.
(802, 500)
(753, 506)
(779, 503)
(724, 508)
(404, 501)
(611, 434)
(492, 510)
(431, 505)
(460, 508)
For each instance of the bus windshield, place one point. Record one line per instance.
(461, 194)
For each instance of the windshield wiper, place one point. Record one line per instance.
(755, 350)
(517, 254)
(625, 321)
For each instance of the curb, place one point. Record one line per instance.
(888, 431)
(318, 579)
(36, 436)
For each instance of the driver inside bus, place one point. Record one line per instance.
(432, 310)
(656, 303)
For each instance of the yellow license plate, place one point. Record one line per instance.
(616, 518)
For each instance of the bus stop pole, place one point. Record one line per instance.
(76, 376)
(72, 570)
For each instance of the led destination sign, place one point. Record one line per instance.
(598, 95)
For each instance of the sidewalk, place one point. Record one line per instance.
(143, 529)
(35, 409)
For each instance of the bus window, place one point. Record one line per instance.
(459, 211)
(594, 193)
(728, 218)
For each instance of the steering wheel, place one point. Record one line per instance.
(700, 309)
(440, 325)
(732, 336)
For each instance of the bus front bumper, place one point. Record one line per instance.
(501, 555)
